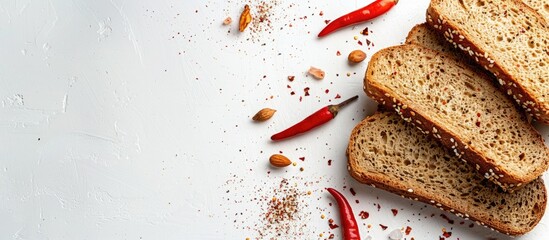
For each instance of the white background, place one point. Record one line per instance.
(129, 119)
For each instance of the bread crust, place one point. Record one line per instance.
(408, 190)
(507, 82)
(407, 111)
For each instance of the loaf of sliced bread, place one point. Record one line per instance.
(507, 38)
(460, 108)
(387, 153)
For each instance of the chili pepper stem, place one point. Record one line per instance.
(334, 109)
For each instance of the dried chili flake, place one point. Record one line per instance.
(331, 224)
(327, 21)
(321, 13)
(394, 211)
(408, 230)
(352, 191)
(306, 90)
(447, 234)
(337, 96)
(378, 207)
(288, 86)
(327, 91)
(291, 78)
(292, 93)
(364, 214)
(383, 227)
(338, 53)
(302, 158)
(368, 42)
(332, 236)
(365, 31)
(330, 162)
(359, 43)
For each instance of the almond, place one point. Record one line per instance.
(279, 160)
(356, 56)
(263, 115)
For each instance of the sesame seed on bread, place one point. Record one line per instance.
(462, 109)
(387, 153)
(508, 38)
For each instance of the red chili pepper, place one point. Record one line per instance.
(371, 11)
(350, 227)
(316, 119)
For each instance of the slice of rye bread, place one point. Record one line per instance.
(508, 38)
(461, 108)
(388, 153)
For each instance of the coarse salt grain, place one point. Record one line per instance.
(396, 235)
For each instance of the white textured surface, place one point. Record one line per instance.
(131, 120)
